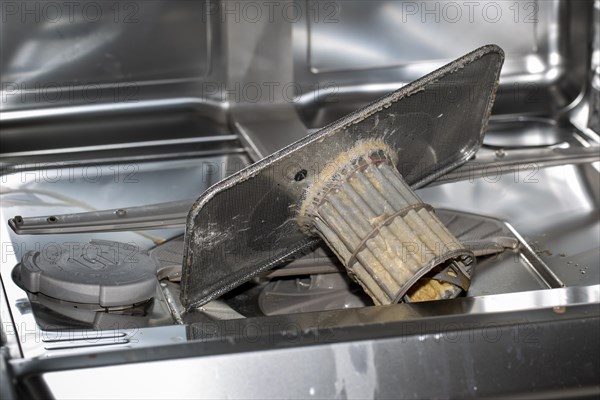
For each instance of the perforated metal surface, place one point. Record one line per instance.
(246, 223)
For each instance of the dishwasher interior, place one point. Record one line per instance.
(112, 115)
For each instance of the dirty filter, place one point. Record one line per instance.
(382, 232)
(287, 202)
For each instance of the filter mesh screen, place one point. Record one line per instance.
(247, 223)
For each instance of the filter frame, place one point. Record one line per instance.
(246, 224)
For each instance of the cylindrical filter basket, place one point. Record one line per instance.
(390, 242)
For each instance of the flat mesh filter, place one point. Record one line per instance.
(169, 253)
(246, 223)
(472, 227)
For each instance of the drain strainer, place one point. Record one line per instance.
(258, 218)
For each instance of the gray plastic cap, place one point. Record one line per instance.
(99, 272)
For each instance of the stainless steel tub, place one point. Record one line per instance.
(117, 104)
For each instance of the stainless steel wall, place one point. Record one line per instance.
(90, 72)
